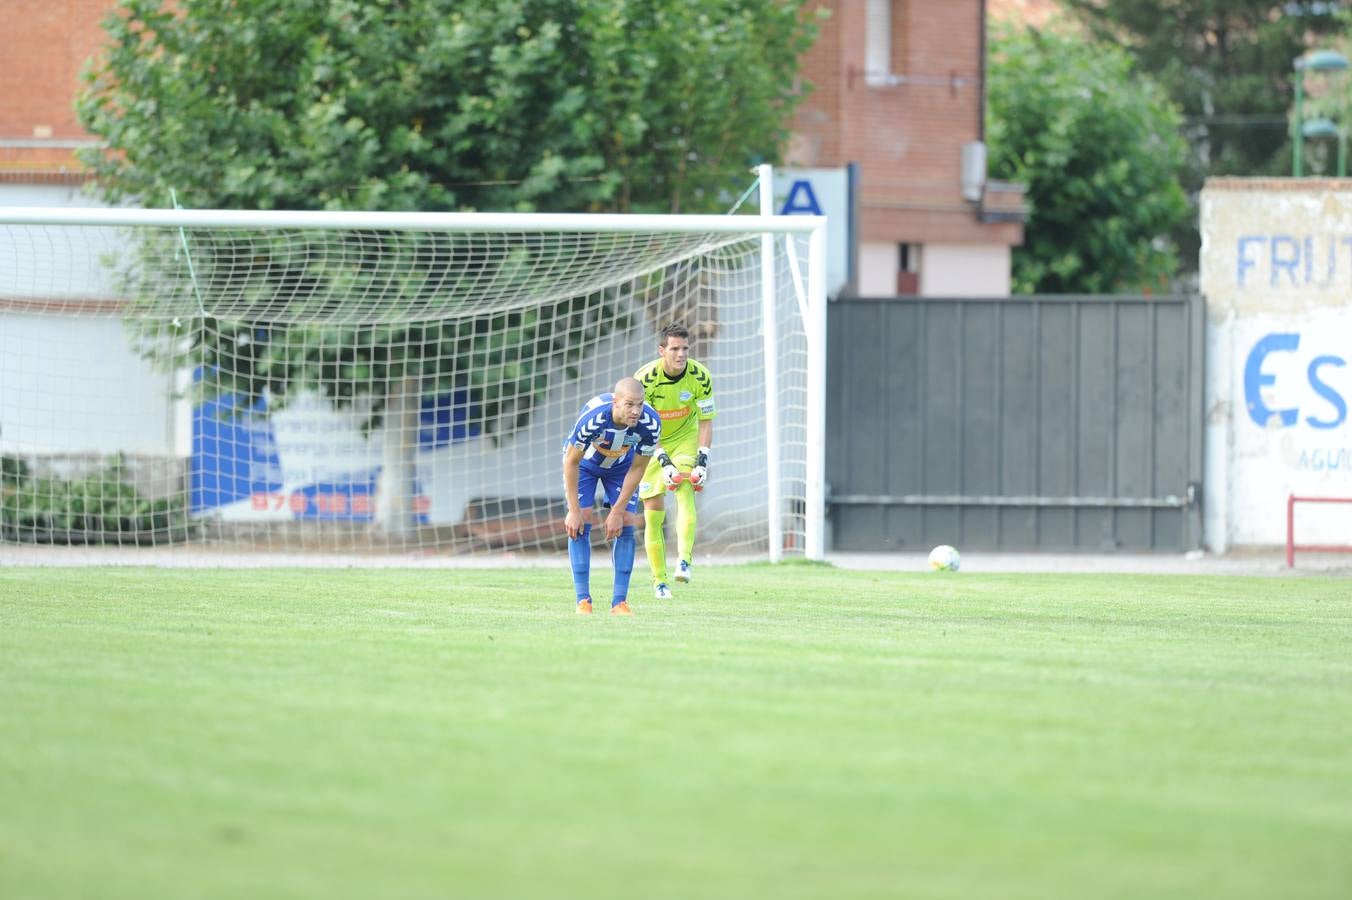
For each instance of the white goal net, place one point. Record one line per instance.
(387, 383)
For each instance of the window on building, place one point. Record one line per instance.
(883, 64)
(908, 269)
(878, 40)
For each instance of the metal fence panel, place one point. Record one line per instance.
(1023, 423)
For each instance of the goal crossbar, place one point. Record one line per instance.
(599, 223)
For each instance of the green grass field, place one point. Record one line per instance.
(785, 732)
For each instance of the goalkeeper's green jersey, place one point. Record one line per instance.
(682, 402)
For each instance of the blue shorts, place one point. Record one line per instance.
(611, 479)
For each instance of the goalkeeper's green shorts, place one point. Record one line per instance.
(682, 454)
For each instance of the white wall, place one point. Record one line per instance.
(946, 270)
(71, 382)
(74, 385)
(1276, 269)
(878, 270)
(965, 270)
(62, 195)
(62, 263)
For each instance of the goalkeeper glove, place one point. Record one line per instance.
(700, 473)
(670, 474)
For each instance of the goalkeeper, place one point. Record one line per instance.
(682, 392)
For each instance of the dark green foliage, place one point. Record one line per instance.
(13, 471)
(563, 105)
(1227, 64)
(1098, 146)
(101, 507)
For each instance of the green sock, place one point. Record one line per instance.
(685, 522)
(655, 543)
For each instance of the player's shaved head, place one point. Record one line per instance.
(628, 403)
(628, 387)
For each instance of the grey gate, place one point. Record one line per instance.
(1026, 423)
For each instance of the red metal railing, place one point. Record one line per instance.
(1292, 546)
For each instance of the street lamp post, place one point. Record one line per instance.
(1318, 61)
(1325, 128)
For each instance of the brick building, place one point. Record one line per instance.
(46, 45)
(899, 91)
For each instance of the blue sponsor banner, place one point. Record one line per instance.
(447, 419)
(238, 459)
(234, 454)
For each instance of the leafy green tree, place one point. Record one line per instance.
(552, 105)
(1098, 146)
(431, 105)
(1227, 65)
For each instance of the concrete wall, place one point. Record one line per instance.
(965, 270)
(60, 195)
(71, 385)
(877, 270)
(1276, 269)
(71, 381)
(944, 270)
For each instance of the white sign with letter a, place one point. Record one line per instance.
(822, 192)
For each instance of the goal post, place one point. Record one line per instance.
(355, 382)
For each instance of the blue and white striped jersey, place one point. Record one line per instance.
(607, 446)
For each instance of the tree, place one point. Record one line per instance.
(1099, 148)
(528, 105)
(1227, 65)
(563, 105)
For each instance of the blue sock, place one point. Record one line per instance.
(622, 554)
(579, 554)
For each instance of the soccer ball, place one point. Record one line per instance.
(944, 558)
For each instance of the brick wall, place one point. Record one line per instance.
(47, 43)
(907, 138)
